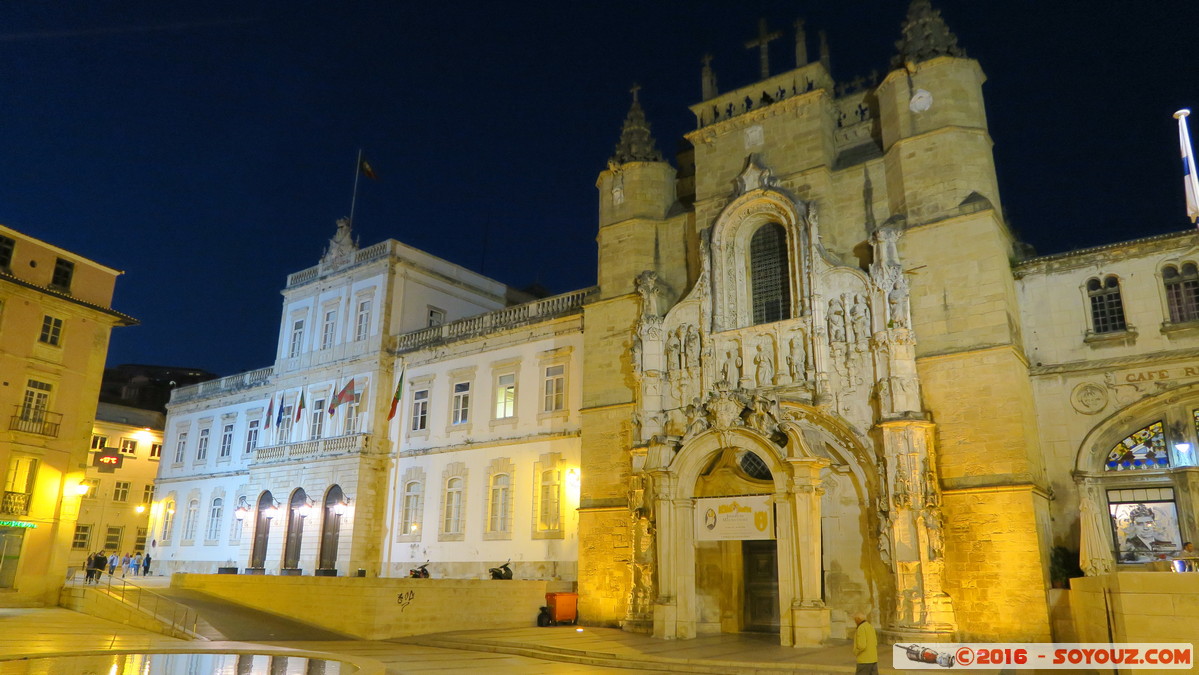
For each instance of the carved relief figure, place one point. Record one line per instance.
(692, 346)
(897, 302)
(836, 320)
(797, 360)
(673, 346)
(932, 527)
(765, 363)
(731, 370)
(859, 318)
(647, 287)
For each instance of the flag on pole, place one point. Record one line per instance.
(366, 169)
(1189, 179)
(346, 395)
(270, 411)
(279, 417)
(395, 400)
(300, 407)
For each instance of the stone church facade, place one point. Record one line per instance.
(821, 311)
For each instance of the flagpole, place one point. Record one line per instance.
(1190, 181)
(354, 198)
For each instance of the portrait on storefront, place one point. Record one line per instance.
(1145, 531)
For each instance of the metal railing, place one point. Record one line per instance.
(35, 421)
(181, 621)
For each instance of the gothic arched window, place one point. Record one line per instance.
(1182, 291)
(770, 284)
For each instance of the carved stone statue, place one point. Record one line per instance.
(731, 370)
(691, 346)
(673, 356)
(936, 539)
(897, 303)
(648, 288)
(859, 318)
(836, 320)
(797, 360)
(342, 245)
(765, 366)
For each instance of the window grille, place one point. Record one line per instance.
(1182, 292)
(1107, 308)
(770, 282)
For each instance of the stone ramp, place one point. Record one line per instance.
(224, 620)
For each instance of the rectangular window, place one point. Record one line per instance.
(129, 446)
(252, 435)
(112, 540)
(82, 538)
(6, 250)
(139, 546)
(352, 409)
(93, 488)
(36, 402)
(549, 501)
(286, 423)
(98, 441)
(1144, 523)
(180, 446)
(202, 446)
(436, 316)
(500, 503)
(505, 396)
(226, 441)
(63, 271)
(51, 331)
(120, 492)
(452, 523)
(148, 493)
(328, 328)
(362, 325)
(420, 410)
(297, 337)
(155, 450)
(316, 426)
(215, 519)
(461, 407)
(555, 388)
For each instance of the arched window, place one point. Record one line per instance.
(500, 504)
(452, 522)
(1142, 450)
(770, 284)
(168, 520)
(1107, 309)
(410, 518)
(549, 513)
(1182, 291)
(189, 521)
(215, 512)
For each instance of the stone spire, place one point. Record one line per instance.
(636, 144)
(925, 36)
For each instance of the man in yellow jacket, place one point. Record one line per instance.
(865, 646)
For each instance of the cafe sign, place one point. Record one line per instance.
(1157, 373)
(734, 518)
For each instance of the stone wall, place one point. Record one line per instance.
(1139, 606)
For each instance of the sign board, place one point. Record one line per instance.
(108, 460)
(18, 523)
(733, 518)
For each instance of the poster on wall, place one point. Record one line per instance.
(733, 518)
(1145, 531)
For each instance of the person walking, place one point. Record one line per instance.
(125, 559)
(865, 646)
(89, 571)
(146, 566)
(113, 561)
(136, 565)
(98, 562)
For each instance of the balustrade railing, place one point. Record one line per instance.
(15, 503)
(509, 317)
(321, 447)
(35, 421)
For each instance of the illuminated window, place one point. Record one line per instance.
(505, 396)
(1107, 308)
(1142, 450)
(98, 441)
(83, 538)
(155, 450)
(1182, 291)
(120, 491)
(93, 488)
(452, 509)
(410, 518)
(1144, 523)
(362, 324)
(129, 446)
(769, 279)
(499, 506)
(555, 388)
(168, 520)
(51, 331)
(420, 410)
(461, 403)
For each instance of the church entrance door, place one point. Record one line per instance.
(761, 585)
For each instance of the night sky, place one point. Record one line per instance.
(206, 148)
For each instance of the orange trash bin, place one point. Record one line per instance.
(563, 607)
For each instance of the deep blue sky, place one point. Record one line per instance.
(206, 148)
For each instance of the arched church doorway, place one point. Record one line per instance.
(262, 528)
(334, 506)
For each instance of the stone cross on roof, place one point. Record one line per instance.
(762, 42)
